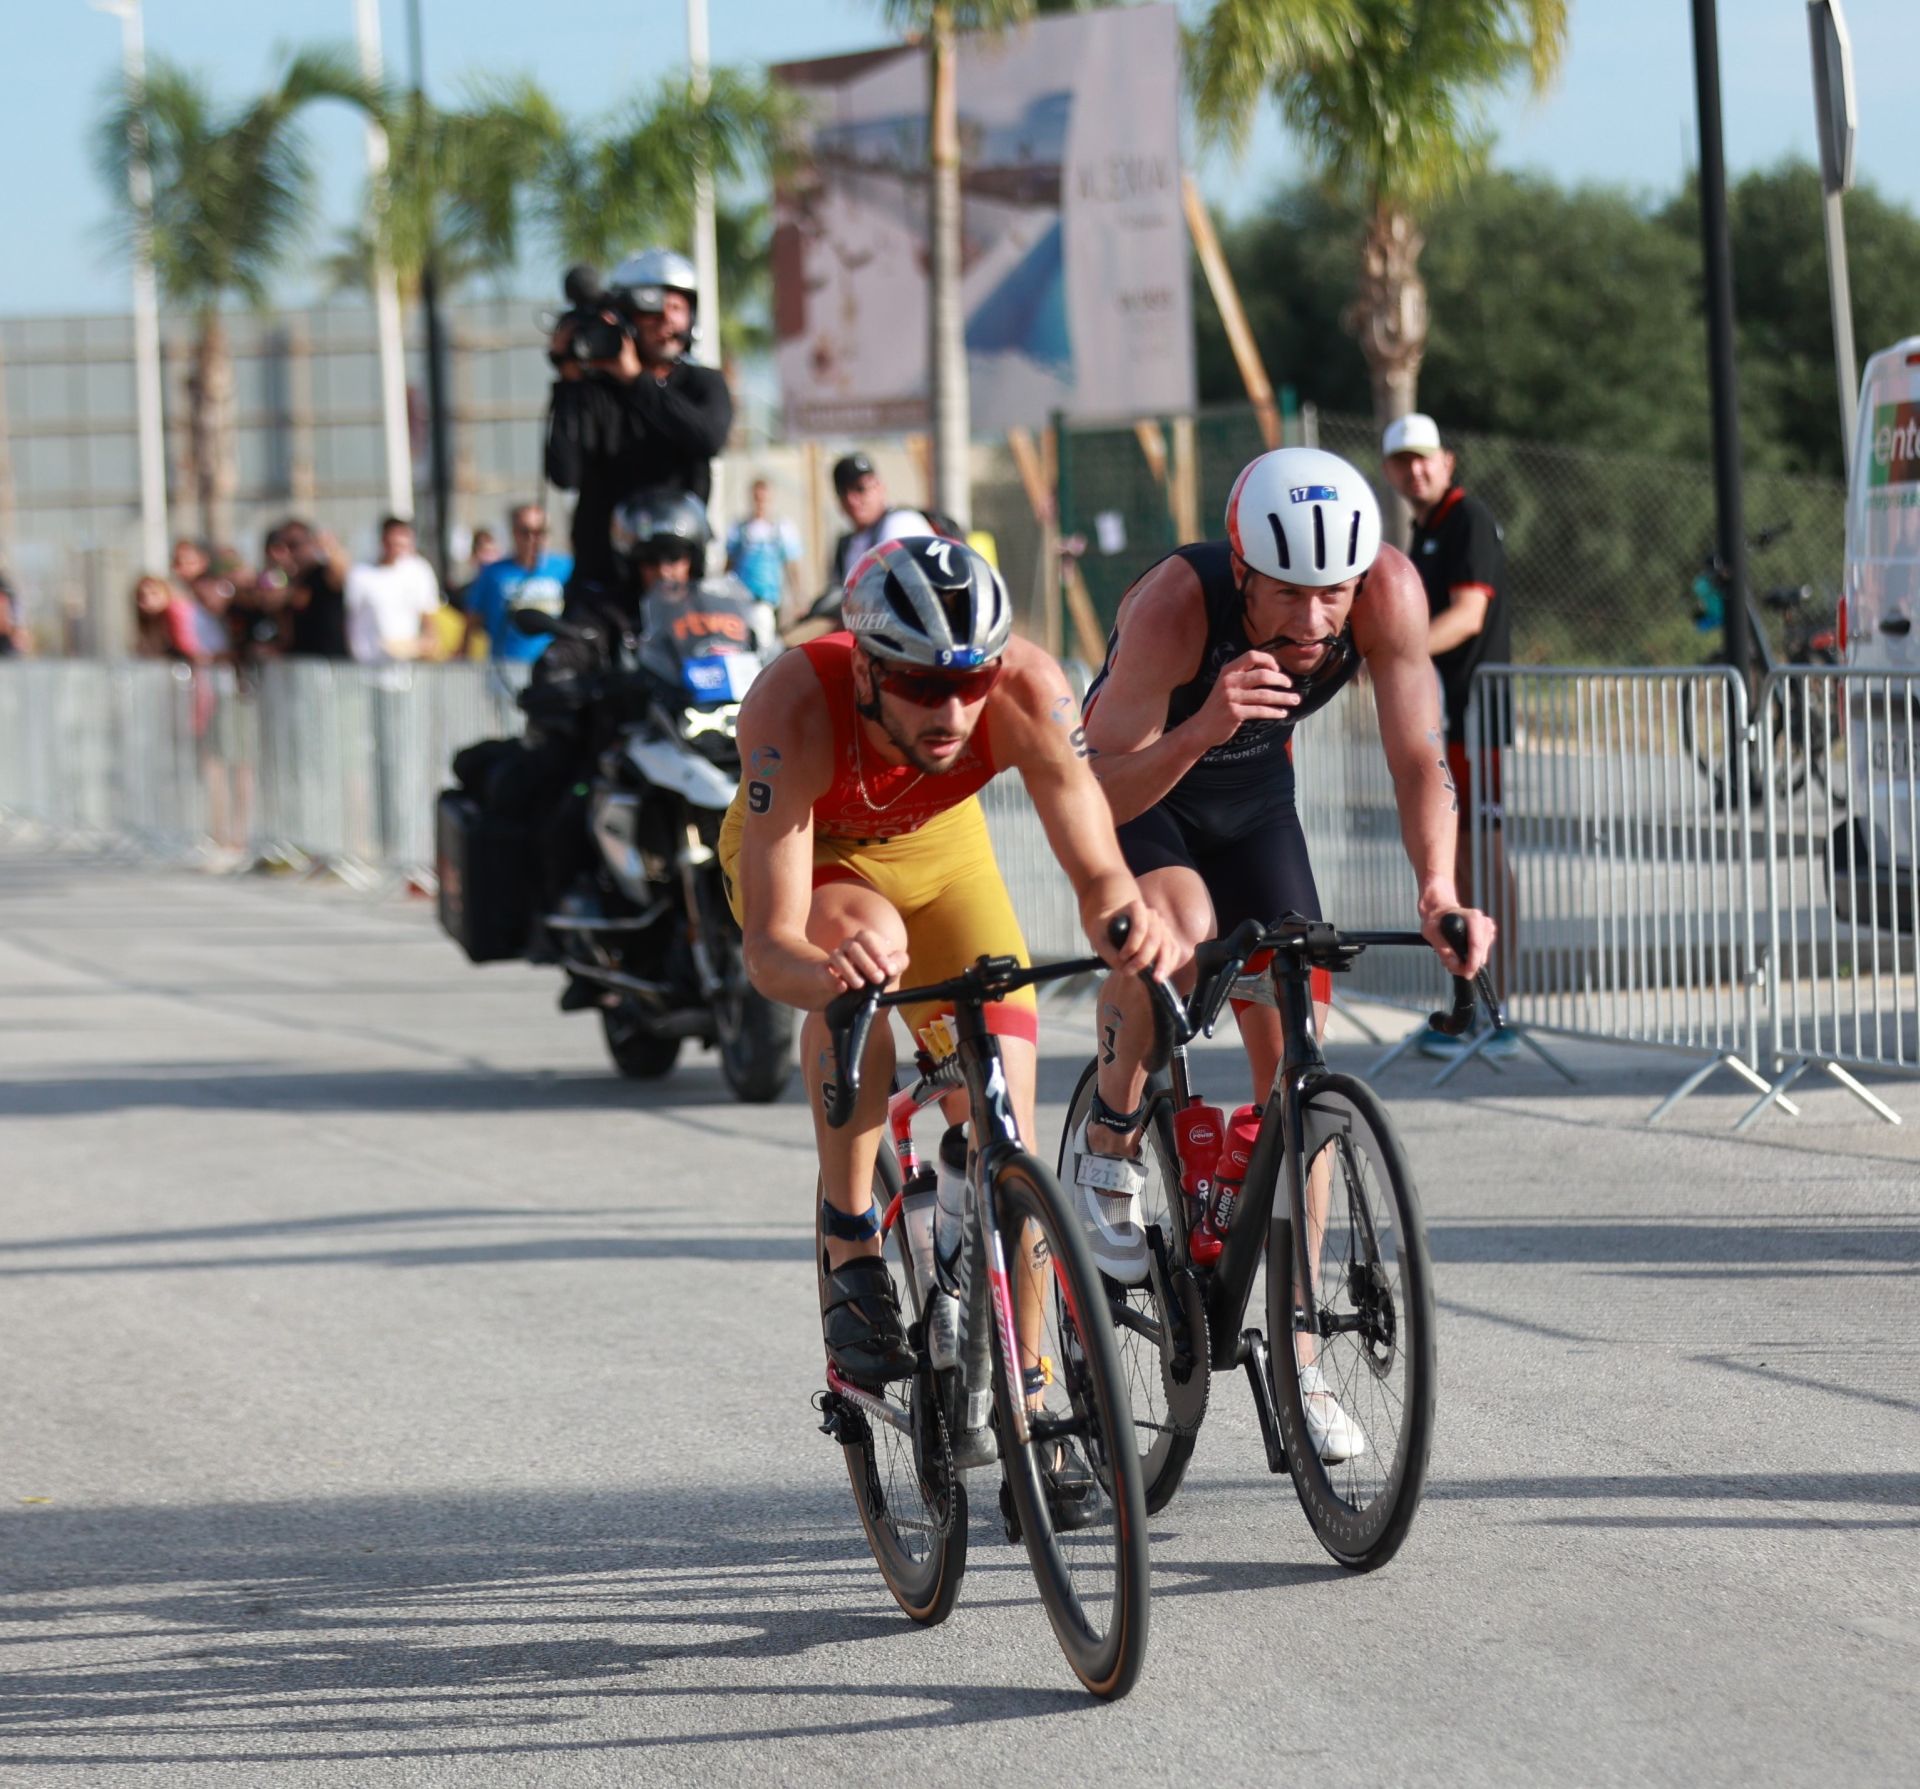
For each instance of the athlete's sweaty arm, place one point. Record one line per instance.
(1162, 632)
(786, 762)
(1390, 630)
(1037, 731)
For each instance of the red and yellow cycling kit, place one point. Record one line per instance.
(918, 840)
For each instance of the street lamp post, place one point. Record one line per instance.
(386, 294)
(146, 307)
(1834, 112)
(1717, 245)
(442, 471)
(706, 243)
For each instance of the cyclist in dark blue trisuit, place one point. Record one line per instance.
(1217, 653)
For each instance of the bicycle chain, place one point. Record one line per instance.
(924, 1381)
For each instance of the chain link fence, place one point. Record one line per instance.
(1602, 549)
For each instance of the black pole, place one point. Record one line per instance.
(436, 340)
(1716, 241)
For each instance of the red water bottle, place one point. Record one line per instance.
(1198, 1132)
(1231, 1169)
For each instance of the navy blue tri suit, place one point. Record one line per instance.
(1231, 818)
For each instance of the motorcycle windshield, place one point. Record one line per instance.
(698, 639)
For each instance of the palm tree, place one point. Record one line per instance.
(937, 23)
(477, 180)
(1388, 97)
(233, 196)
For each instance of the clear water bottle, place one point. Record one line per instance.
(950, 1207)
(940, 1311)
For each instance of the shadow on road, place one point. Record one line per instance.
(477, 1625)
(420, 1237)
(220, 1088)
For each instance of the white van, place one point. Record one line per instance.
(1879, 604)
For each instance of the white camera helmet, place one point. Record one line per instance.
(653, 272)
(1305, 517)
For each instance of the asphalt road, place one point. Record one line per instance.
(391, 1396)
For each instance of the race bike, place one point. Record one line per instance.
(643, 930)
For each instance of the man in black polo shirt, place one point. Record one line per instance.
(1461, 556)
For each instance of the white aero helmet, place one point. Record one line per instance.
(928, 601)
(1304, 517)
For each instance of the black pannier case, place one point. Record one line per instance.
(486, 898)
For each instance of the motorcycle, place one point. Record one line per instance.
(644, 932)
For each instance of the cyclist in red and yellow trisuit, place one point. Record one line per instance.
(856, 853)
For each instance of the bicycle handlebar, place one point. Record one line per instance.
(850, 1016)
(1221, 961)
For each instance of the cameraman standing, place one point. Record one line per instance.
(628, 412)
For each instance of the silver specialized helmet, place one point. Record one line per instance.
(647, 277)
(928, 601)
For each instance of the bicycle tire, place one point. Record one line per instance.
(1140, 1317)
(921, 1551)
(1106, 1558)
(1360, 1509)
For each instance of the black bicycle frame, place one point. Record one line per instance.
(1282, 1127)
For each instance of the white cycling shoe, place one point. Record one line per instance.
(1336, 1437)
(1106, 1191)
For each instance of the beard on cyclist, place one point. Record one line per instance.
(928, 717)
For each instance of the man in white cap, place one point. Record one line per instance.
(1460, 553)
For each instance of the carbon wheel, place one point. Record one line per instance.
(1361, 1346)
(1089, 1556)
(911, 1502)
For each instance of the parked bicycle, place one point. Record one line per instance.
(1027, 1364)
(1795, 738)
(1327, 1204)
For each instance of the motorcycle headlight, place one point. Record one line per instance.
(697, 723)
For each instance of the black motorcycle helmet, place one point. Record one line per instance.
(656, 525)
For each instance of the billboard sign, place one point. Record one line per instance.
(1074, 255)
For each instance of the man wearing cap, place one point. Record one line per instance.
(1460, 553)
(863, 500)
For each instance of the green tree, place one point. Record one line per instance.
(505, 168)
(1790, 410)
(234, 196)
(1388, 97)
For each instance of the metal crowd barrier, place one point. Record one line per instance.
(1838, 751)
(1616, 850)
(1663, 873)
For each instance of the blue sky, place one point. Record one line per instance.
(1622, 111)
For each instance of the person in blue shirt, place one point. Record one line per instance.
(528, 578)
(763, 551)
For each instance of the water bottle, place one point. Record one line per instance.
(916, 1212)
(1198, 1132)
(950, 1207)
(940, 1311)
(1209, 1235)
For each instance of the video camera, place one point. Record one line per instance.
(594, 336)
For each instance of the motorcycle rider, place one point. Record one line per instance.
(655, 539)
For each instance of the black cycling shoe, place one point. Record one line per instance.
(860, 1318)
(1073, 1496)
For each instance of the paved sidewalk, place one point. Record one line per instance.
(395, 1397)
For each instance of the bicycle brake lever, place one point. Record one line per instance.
(1238, 945)
(849, 1019)
(1453, 928)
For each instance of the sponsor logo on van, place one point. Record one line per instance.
(1896, 445)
